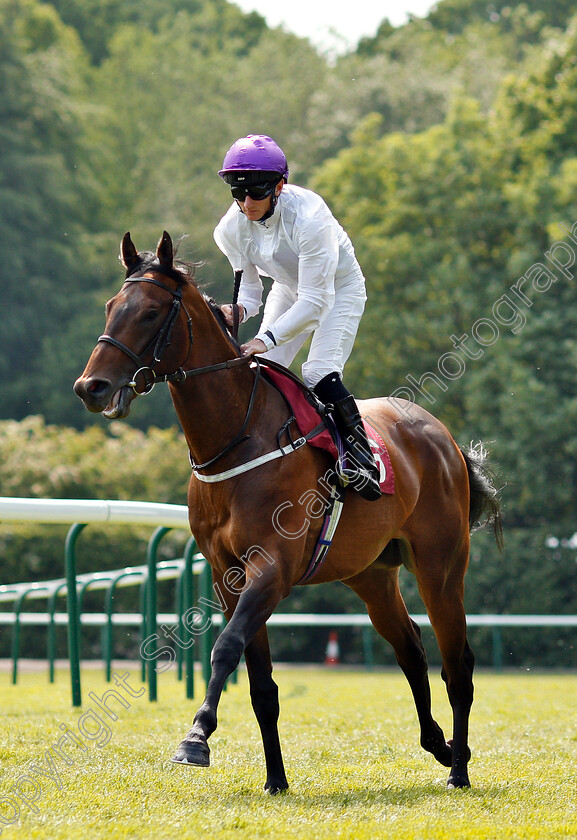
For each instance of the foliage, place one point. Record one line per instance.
(43, 461)
(42, 74)
(40, 461)
(455, 15)
(218, 25)
(445, 147)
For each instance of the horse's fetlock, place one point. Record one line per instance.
(205, 722)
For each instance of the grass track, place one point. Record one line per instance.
(351, 749)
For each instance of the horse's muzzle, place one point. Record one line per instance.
(101, 397)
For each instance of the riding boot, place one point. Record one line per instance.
(359, 470)
(364, 471)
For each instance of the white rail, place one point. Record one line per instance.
(291, 619)
(69, 511)
(176, 516)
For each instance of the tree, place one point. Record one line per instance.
(218, 25)
(455, 15)
(41, 76)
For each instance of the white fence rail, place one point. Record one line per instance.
(70, 511)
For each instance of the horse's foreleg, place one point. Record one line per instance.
(254, 606)
(264, 698)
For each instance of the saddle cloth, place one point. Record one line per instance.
(307, 418)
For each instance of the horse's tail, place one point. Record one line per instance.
(484, 506)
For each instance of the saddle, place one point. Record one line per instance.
(310, 414)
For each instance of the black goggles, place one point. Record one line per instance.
(255, 191)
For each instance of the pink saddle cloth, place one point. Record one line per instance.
(308, 418)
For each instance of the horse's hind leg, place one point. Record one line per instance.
(444, 603)
(378, 586)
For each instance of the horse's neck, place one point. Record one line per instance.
(212, 406)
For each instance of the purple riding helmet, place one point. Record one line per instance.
(253, 160)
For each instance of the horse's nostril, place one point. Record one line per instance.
(96, 387)
(92, 388)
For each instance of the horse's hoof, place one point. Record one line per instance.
(440, 749)
(455, 782)
(273, 790)
(192, 752)
(444, 755)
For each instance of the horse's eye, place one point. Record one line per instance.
(151, 315)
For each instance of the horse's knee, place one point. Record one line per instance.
(226, 653)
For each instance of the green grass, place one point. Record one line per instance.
(351, 751)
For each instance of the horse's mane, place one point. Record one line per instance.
(186, 272)
(221, 320)
(183, 270)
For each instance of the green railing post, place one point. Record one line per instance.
(73, 618)
(368, 648)
(143, 634)
(34, 587)
(51, 635)
(179, 612)
(108, 629)
(188, 601)
(206, 639)
(151, 609)
(15, 642)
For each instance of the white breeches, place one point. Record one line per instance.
(332, 341)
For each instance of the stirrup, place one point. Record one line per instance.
(358, 478)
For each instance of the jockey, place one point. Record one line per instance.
(288, 233)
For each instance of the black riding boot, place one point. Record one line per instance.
(360, 470)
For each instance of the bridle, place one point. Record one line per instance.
(159, 344)
(160, 341)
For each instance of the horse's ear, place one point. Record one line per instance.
(164, 250)
(129, 256)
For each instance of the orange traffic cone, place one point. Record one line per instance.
(333, 653)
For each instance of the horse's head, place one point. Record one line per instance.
(148, 332)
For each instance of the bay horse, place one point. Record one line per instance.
(160, 327)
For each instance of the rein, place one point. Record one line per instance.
(235, 308)
(161, 341)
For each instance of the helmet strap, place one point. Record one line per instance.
(273, 204)
(270, 212)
